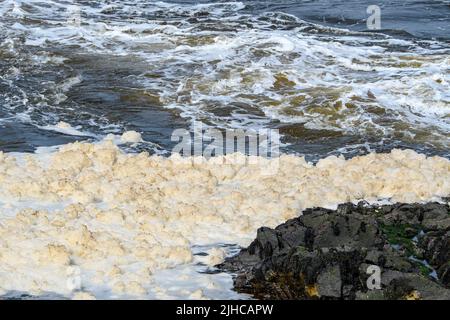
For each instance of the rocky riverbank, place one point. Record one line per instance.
(327, 254)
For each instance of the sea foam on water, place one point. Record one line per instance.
(120, 218)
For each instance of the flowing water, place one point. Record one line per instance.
(306, 68)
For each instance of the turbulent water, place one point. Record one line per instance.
(156, 66)
(92, 220)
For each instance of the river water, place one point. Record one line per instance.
(310, 69)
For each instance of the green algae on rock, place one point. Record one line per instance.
(325, 254)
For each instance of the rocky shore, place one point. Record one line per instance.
(332, 254)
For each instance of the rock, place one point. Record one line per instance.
(325, 254)
(329, 282)
(444, 274)
(415, 287)
(436, 246)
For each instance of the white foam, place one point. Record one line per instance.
(66, 128)
(131, 137)
(128, 222)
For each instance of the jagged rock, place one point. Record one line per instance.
(325, 254)
(414, 287)
(444, 274)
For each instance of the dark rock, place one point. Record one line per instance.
(444, 274)
(436, 246)
(329, 282)
(325, 254)
(414, 287)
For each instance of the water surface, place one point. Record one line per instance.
(307, 68)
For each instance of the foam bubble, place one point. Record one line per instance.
(269, 66)
(66, 128)
(131, 137)
(121, 218)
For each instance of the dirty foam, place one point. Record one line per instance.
(130, 225)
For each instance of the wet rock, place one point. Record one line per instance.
(436, 246)
(325, 254)
(444, 274)
(415, 287)
(329, 282)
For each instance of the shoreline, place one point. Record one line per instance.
(389, 252)
(118, 219)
